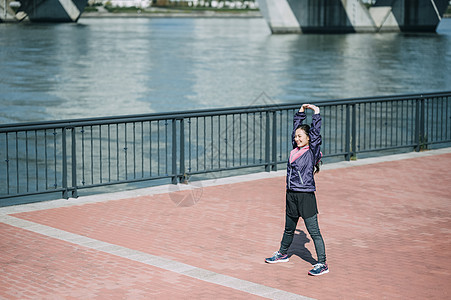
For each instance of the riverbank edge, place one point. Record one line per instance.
(176, 14)
(159, 12)
(206, 14)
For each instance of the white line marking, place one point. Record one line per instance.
(152, 260)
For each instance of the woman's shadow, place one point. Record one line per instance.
(298, 247)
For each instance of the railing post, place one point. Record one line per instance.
(64, 162)
(423, 141)
(274, 141)
(348, 134)
(354, 133)
(267, 144)
(182, 150)
(74, 165)
(174, 151)
(419, 125)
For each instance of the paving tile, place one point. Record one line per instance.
(34, 266)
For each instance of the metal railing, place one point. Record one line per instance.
(65, 156)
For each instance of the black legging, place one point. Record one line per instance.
(313, 229)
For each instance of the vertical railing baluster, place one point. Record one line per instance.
(74, 163)
(402, 122)
(343, 125)
(46, 160)
(429, 120)
(370, 114)
(267, 143)
(241, 142)
(36, 159)
(247, 139)
(274, 141)
(150, 148)
(353, 132)
(398, 124)
(435, 106)
(64, 163)
(386, 124)
(26, 160)
(226, 140)
(158, 148)
(92, 152)
(412, 126)
(422, 123)
(100, 155)
(336, 129)
(441, 118)
(358, 126)
(447, 117)
(142, 149)
(189, 145)
(233, 140)
(17, 164)
(54, 158)
(197, 143)
(83, 155)
(392, 123)
(134, 150)
(260, 137)
(117, 152)
(211, 148)
(182, 151)
(419, 118)
(328, 112)
(205, 143)
(125, 151)
(280, 137)
(219, 142)
(166, 148)
(381, 125)
(7, 163)
(253, 139)
(348, 135)
(109, 153)
(174, 151)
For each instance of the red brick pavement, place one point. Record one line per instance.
(387, 229)
(38, 267)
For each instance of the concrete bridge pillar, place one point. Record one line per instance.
(345, 16)
(6, 12)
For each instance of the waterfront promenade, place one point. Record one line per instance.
(386, 223)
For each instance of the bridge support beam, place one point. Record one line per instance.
(346, 16)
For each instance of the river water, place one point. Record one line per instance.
(104, 67)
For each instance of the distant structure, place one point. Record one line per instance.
(128, 3)
(42, 10)
(347, 16)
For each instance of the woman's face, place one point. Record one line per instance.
(301, 138)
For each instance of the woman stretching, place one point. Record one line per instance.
(300, 195)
